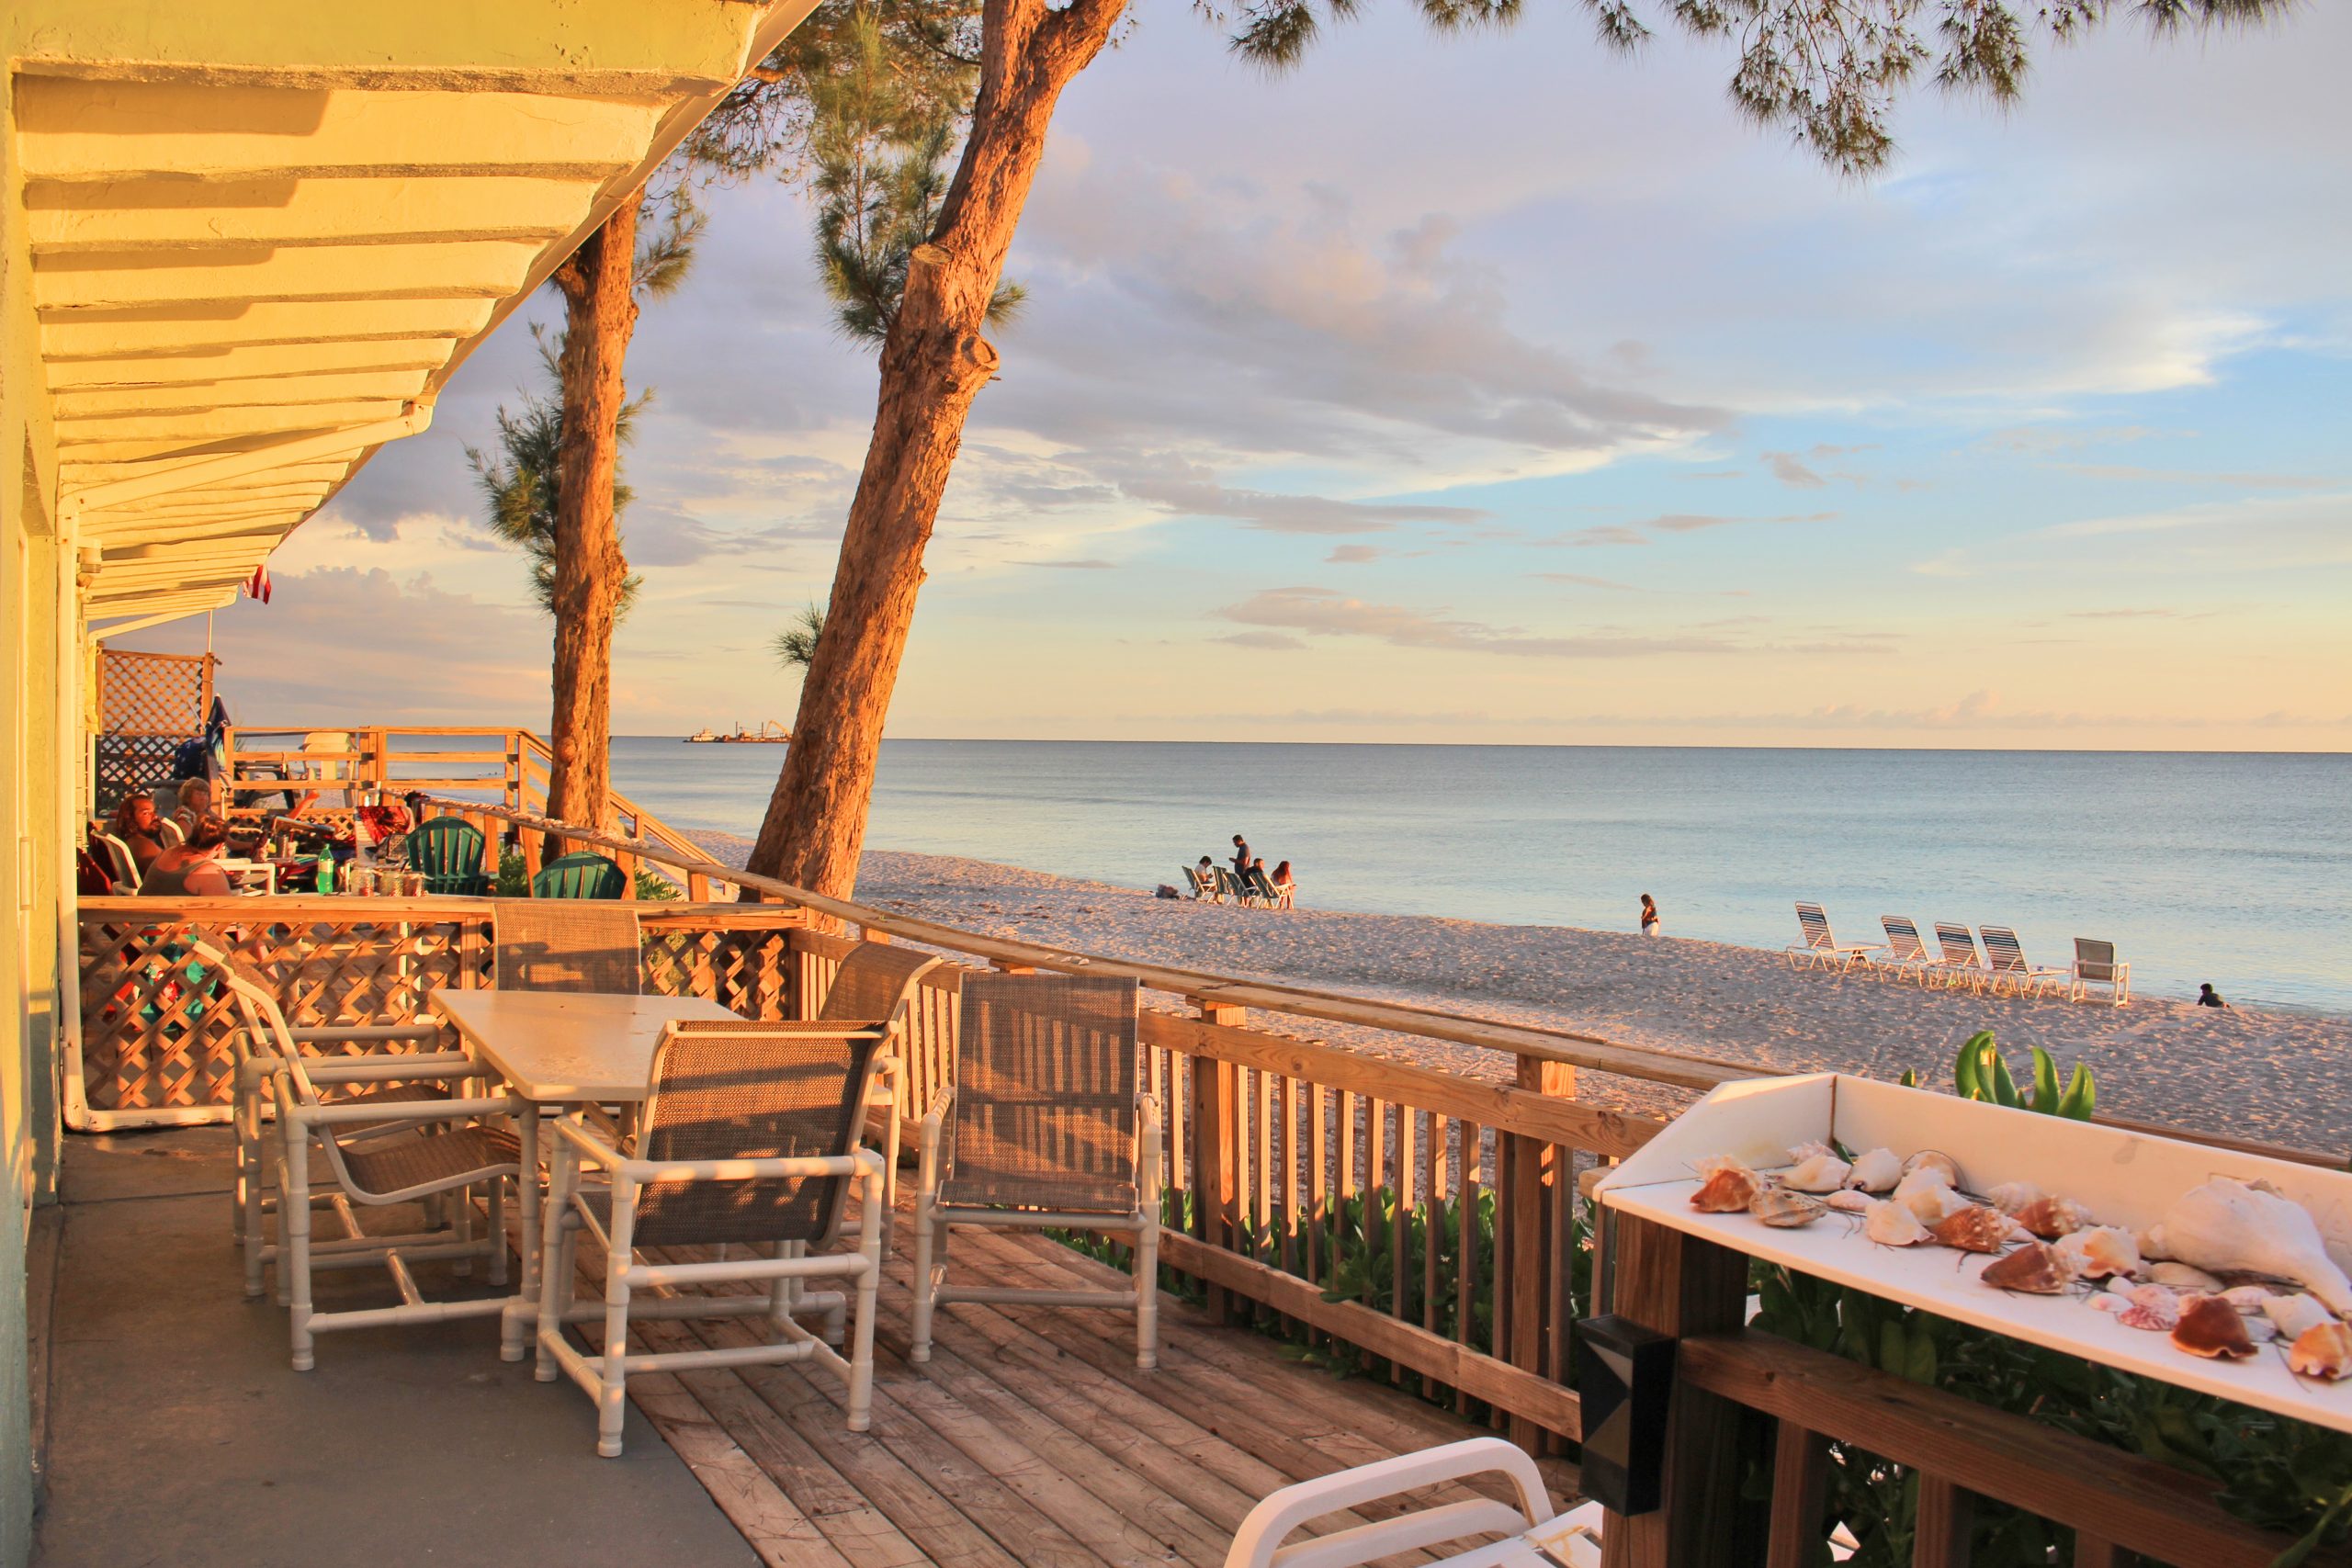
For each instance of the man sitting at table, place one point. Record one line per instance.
(190, 870)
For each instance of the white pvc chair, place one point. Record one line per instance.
(1259, 1542)
(1819, 949)
(2096, 964)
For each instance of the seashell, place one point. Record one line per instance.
(2151, 1248)
(1893, 1224)
(2100, 1251)
(1808, 1149)
(2210, 1327)
(2035, 1269)
(1822, 1173)
(2324, 1350)
(2247, 1299)
(2050, 1218)
(1876, 1171)
(2296, 1316)
(1850, 1202)
(2227, 1224)
(1931, 1159)
(1784, 1210)
(1925, 1195)
(2259, 1330)
(1973, 1229)
(2184, 1277)
(1727, 1190)
(2011, 1196)
(2139, 1306)
(1704, 1169)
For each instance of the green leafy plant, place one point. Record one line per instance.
(1980, 1074)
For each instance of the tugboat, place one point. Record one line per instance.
(702, 737)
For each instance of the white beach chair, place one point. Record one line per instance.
(121, 864)
(1906, 956)
(2004, 956)
(1960, 964)
(1259, 1542)
(1819, 949)
(1202, 885)
(2096, 964)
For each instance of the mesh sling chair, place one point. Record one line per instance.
(1045, 1128)
(750, 1134)
(2096, 964)
(566, 945)
(877, 981)
(583, 874)
(381, 1150)
(448, 850)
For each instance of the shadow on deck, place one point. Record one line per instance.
(176, 1433)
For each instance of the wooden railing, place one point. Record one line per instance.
(1749, 1402)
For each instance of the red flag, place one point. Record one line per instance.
(258, 585)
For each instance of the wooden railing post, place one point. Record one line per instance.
(1677, 1285)
(1214, 1127)
(1538, 1186)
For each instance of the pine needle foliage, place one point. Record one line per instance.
(796, 644)
(518, 481)
(1827, 71)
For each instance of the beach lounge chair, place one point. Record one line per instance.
(1203, 885)
(2096, 964)
(448, 850)
(750, 1135)
(1906, 955)
(583, 874)
(2004, 956)
(1819, 949)
(1960, 964)
(1229, 886)
(1045, 1128)
(1261, 887)
(1423, 1524)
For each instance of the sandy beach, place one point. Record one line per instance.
(2249, 1073)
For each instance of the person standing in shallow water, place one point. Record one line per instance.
(1650, 926)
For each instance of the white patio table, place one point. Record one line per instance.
(560, 1048)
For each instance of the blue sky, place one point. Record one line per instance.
(1495, 387)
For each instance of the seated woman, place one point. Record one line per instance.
(190, 870)
(195, 801)
(1284, 886)
(141, 830)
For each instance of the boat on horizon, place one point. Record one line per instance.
(770, 733)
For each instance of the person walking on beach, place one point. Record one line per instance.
(2207, 997)
(1650, 926)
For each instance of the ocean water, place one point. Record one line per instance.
(2236, 869)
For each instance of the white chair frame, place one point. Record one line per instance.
(933, 1217)
(2084, 974)
(606, 1377)
(1259, 1542)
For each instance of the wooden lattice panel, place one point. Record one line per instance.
(158, 1035)
(154, 693)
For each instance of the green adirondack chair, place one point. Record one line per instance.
(448, 851)
(582, 873)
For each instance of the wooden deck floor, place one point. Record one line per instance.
(1031, 1441)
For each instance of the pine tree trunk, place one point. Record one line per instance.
(600, 314)
(934, 363)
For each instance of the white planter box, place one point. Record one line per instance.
(2125, 1178)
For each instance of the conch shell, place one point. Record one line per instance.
(2050, 1218)
(2011, 1196)
(2247, 1299)
(2296, 1316)
(1893, 1224)
(1729, 1188)
(1934, 1159)
(1806, 1150)
(2101, 1250)
(1818, 1173)
(1928, 1195)
(1784, 1210)
(2035, 1269)
(2324, 1350)
(2229, 1225)
(1850, 1201)
(1876, 1171)
(2140, 1306)
(2187, 1277)
(1973, 1229)
(2212, 1326)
